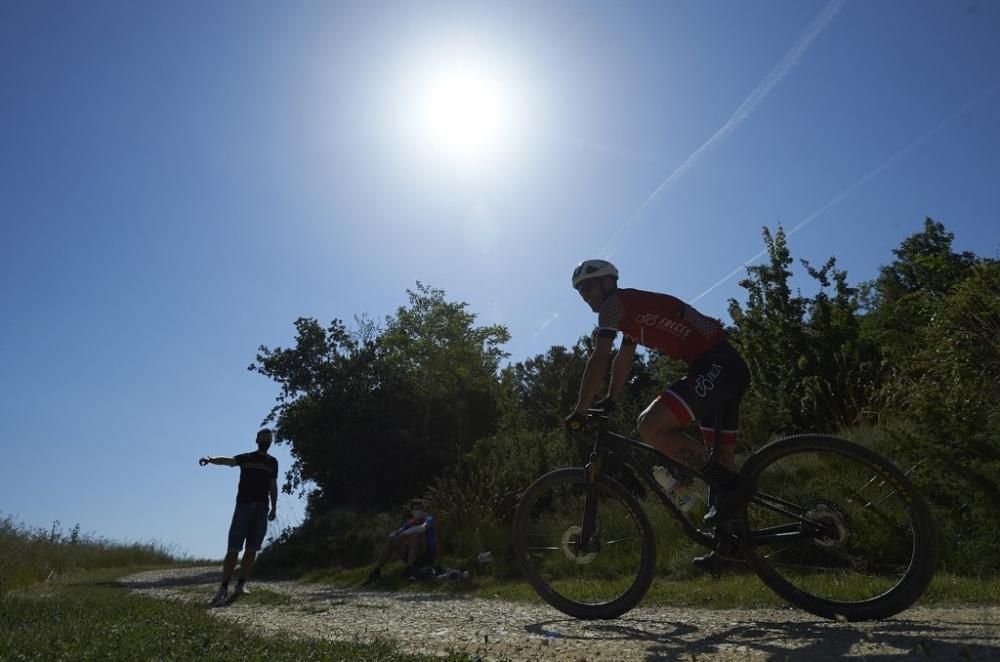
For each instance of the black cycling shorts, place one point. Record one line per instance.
(716, 381)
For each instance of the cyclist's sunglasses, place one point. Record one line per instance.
(586, 285)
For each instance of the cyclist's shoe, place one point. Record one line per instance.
(713, 562)
(374, 577)
(733, 491)
(728, 501)
(709, 563)
(241, 589)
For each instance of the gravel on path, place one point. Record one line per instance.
(437, 623)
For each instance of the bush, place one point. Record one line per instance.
(340, 538)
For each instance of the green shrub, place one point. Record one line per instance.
(340, 538)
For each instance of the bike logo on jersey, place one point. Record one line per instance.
(706, 382)
(664, 323)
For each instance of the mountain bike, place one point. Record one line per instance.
(831, 526)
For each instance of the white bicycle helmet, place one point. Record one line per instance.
(592, 269)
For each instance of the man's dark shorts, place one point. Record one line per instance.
(249, 524)
(716, 380)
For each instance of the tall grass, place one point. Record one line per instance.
(29, 555)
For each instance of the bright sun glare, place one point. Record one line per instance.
(465, 113)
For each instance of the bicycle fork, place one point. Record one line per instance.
(589, 524)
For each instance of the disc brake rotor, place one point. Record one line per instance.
(571, 546)
(834, 521)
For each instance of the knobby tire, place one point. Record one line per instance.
(891, 486)
(613, 494)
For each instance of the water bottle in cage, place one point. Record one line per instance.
(679, 491)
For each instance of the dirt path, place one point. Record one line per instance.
(500, 630)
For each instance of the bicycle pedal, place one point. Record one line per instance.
(710, 563)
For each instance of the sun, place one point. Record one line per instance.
(465, 113)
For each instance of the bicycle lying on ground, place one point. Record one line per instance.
(831, 527)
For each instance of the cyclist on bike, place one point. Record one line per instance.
(716, 379)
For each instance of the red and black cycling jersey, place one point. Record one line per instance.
(660, 322)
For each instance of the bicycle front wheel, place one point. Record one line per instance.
(836, 529)
(602, 577)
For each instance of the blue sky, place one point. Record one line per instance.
(181, 181)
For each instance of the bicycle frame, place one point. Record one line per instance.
(820, 537)
(608, 443)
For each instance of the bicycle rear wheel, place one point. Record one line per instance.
(602, 579)
(836, 529)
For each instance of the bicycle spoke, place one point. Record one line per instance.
(622, 540)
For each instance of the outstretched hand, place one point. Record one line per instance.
(203, 461)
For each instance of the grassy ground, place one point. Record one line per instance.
(59, 601)
(87, 617)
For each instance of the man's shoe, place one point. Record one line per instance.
(374, 577)
(241, 589)
(220, 597)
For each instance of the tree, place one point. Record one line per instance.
(811, 368)
(373, 416)
(924, 264)
(451, 364)
(950, 414)
(770, 334)
(841, 375)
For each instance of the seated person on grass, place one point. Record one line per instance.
(415, 543)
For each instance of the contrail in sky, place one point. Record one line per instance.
(749, 105)
(861, 182)
(745, 109)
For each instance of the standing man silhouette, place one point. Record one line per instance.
(258, 479)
